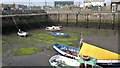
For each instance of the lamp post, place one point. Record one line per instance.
(45, 3)
(29, 5)
(79, 3)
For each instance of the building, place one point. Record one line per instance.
(63, 3)
(94, 2)
(88, 1)
(13, 6)
(115, 6)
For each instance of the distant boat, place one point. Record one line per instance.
(59, 34)
(22, 33)
(53, 28)
(59, 61)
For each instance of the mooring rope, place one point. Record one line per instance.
(15, 23)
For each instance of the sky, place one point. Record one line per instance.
(34, 0)
(41, 2)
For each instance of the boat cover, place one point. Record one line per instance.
(97, 52)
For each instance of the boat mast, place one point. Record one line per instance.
(79, 3)
(81, 41)
(29, 4)
(45, 3)
(15, 23)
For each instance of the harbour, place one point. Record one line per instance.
(70, 34)
(107, 38)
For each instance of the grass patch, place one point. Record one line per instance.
(27, 51)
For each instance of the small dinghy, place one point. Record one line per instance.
(66, 50)
(22, 33)
(53, 28)
(59, 34)
(59, 61)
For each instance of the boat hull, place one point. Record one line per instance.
(61, 49)
(53, 28)
(111, 65)
(59, 34)
(107, 63)
(62, 61)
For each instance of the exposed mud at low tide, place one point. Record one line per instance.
(104, 38)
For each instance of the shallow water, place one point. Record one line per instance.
(104, 38)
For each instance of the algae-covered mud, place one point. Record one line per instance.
(36, 49)
(27, 51)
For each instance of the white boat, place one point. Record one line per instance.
(59, 61)
(22, 33)
(53, 28)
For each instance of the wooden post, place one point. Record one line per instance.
(46, 15)
(76, 19)
(67, 20)
(58, 18)
(118, 26)
(87, 19)
(99, 20)
(113, 15)
(46, 19)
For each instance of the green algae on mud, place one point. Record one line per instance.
(27, 51)
(46, 38)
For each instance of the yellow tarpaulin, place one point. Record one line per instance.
(98, 53)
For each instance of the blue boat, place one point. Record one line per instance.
(72, 52)
(66, 50)
(59, 34)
